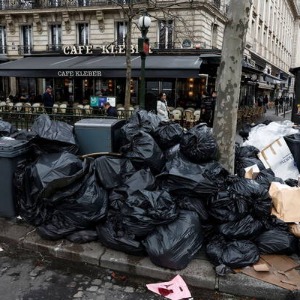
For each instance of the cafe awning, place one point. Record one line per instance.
(102, 66)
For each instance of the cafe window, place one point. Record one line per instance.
(83, 33)
(165, 34)
(54, 3)
(55, 36)
(2, 40)
(121, 31)
(83, 2)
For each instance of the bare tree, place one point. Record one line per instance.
(228, 80)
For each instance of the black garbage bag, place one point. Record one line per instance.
(140, 180)
(43, 181)
(140, 120)
(79, 211)
(199, 145)
(23, 135)
(245, 162)
(193, 204)
(174, 245)
(172, 152)
(224, 208)
(256, 195)
(234, 254)
(53, 136)
(276, 241)
(246, 228)
(293, 142)
(113, 235)
(186, 178)
(168, 134)
(291, 182)
(7, 129)
(266, 177)
(246, 151)
(144, 152)
(83, 236)
(113, 171)
(272, 222)
(144, 210)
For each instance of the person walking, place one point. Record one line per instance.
(162, 107)
(48, 99)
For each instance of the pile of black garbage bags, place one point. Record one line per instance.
(165, 195)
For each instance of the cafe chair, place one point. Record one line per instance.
(19, 106)
(176, 116)
(55, 108)
(197, 115)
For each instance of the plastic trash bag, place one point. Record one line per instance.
(140, 120)
(7, 129)
(256, 195)
(83, 236)
(234, 254)
(193, 204)
(144, 210)
(246, 228)
(144, 152)
(199, 145)
(224, 208)
(276, 241)
(113, 171)
(184, 177)
(174, 245)
(113, 235)
(53, 136)
(168, 134)
(266, 177)
(140, 180)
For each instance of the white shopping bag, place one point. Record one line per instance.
(279, 158)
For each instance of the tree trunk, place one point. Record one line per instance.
(228, 81)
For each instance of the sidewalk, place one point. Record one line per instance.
(200, 272)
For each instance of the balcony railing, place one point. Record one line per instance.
(40, 4)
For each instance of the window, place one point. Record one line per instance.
(83, 2)
(2, 40)
(54, 3)
(165, 34)
(26, 32)
(214, 36)
(55, 36)
(121, 31)
(83, 33)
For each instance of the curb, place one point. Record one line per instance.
(198, 274)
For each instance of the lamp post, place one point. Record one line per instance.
(144, 24)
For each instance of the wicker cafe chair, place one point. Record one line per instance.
(188, 118)
(2, 106)
(120, 112)
(197, 115)
(176, 116)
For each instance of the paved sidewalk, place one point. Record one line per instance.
(199, 273)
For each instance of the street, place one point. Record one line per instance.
(32, 276)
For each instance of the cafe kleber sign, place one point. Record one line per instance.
(79, 73)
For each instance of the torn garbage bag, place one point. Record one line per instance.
(6, 129)
(199, 145)
(174, 245)
(144, 210)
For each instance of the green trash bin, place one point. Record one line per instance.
(12, 154)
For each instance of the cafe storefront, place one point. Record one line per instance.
(76, 78)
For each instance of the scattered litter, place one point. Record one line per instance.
(1, 249)
(176, 289)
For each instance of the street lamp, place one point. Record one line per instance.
(143, 43)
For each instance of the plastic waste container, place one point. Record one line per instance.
(293, 142)
(98, 135)
(12, 154)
